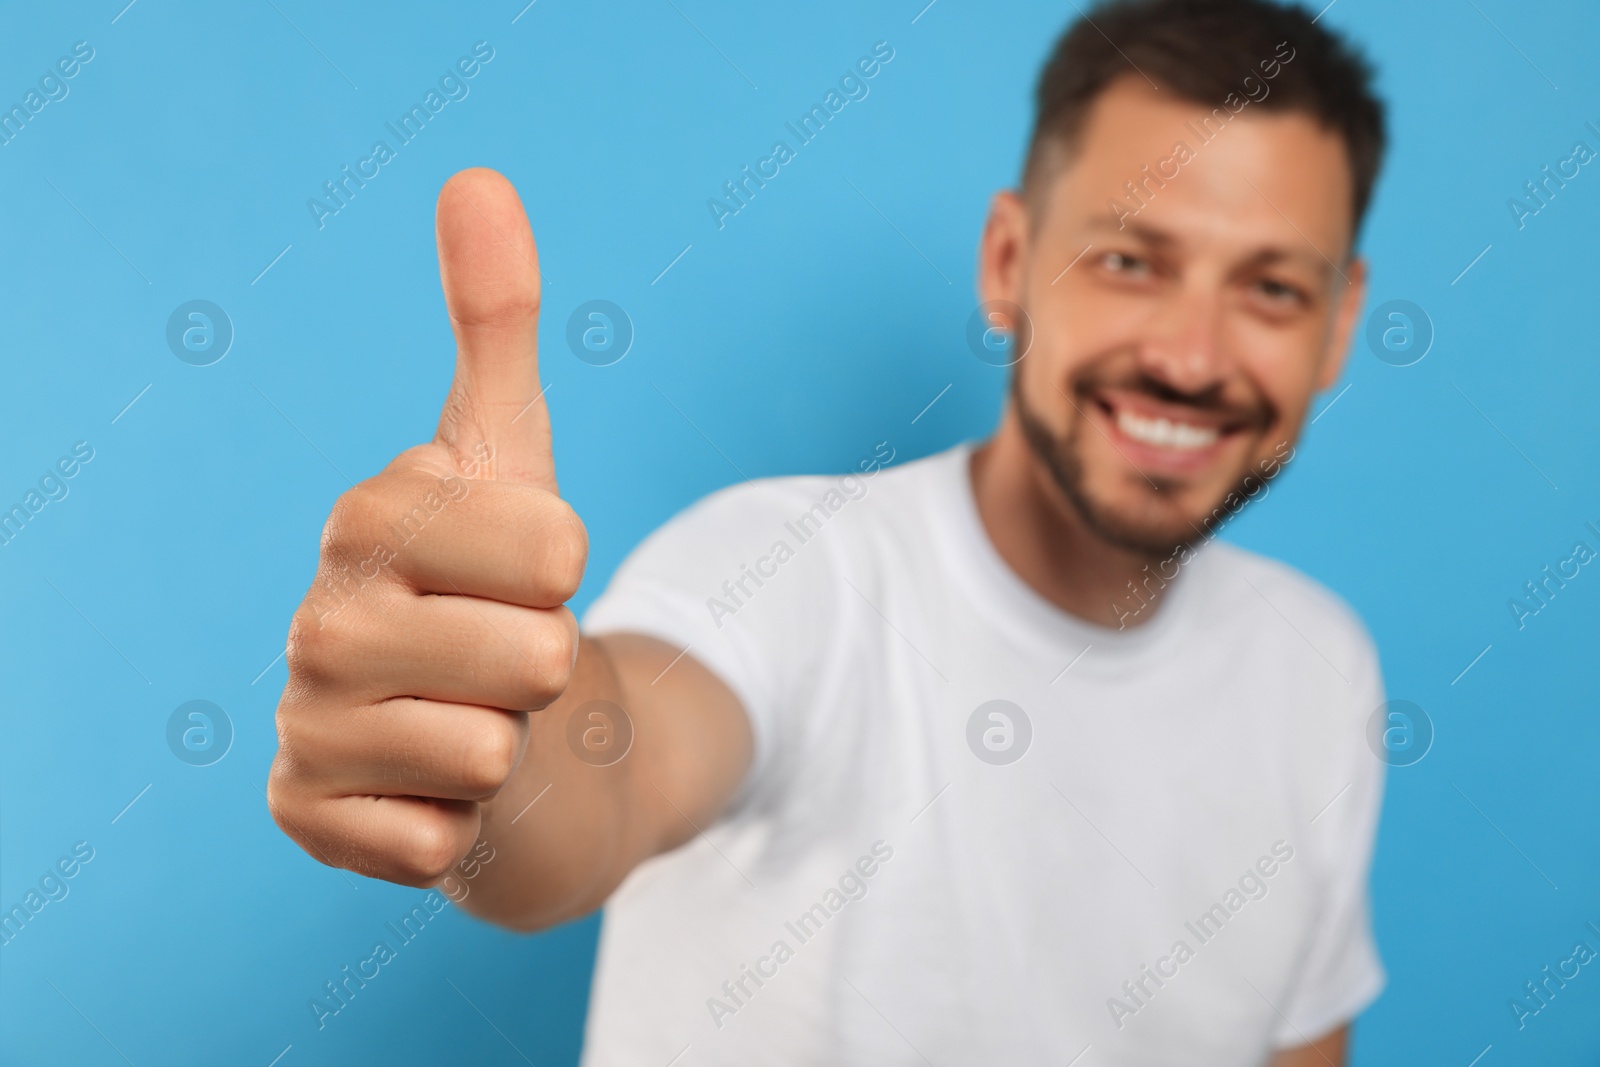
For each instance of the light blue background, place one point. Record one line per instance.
(808, 329)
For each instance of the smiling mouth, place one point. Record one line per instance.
(1159, 432)
(1166, 438)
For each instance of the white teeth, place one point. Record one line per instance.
(1164, 434)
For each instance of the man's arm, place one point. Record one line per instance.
(434, 669)
(1326, 1051)
(590, 825)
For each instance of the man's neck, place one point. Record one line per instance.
(1042, 538)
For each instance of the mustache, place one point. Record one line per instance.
(1252, 415)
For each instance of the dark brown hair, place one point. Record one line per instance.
(1203, 50)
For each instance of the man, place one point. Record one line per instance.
(995, 757)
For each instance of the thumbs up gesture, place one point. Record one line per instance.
(436, 621)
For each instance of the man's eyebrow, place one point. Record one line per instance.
(1148, 234)
(1306, 256)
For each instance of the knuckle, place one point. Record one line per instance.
(352, 550)
(532, 688)
(317, 641)
(564, 647)
(285, 804)
(429, 851)
(276, 795)
(550, 662)
(304, 645)
(339, 624)
(506, 308)
(489, 756)
(289, 736)
(569, 553)
(555, 545)
(358, 510)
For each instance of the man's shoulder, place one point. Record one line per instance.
(1242, 583)
(761, 502)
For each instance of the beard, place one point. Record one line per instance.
(1145, 531)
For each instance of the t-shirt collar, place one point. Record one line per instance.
(1012, 602)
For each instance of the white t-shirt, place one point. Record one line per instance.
(1173, 872)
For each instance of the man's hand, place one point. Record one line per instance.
(436, 622)
(435, 632)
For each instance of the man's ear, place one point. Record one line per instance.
(1344, 324)
(1003, 251)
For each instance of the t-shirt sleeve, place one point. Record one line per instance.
(1341, 973)
(734, 583)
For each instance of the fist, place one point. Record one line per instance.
(436, 622)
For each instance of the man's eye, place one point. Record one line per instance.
(1122, 263)
(1279, 292)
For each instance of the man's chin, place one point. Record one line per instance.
(1151, 527)
(1140, 534)
(1150, 515)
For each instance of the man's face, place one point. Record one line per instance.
(1178, 352)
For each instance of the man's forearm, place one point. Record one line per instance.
(1326, 1051)
(564, 832)
(566, 829)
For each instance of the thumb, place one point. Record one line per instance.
(494, 422)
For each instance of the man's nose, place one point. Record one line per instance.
(1184, 347)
